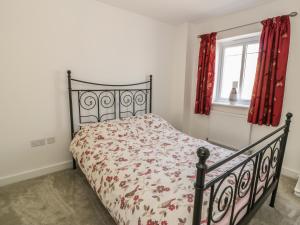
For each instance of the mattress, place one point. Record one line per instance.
(143, 170)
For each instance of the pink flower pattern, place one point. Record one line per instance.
(143, 169)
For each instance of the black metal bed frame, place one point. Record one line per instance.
(255, 177)
(107, 101)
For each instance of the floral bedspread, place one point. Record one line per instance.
(143, 169)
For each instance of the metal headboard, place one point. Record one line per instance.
(94, 102)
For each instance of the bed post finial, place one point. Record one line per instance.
(69, 73)
(203, 154)
(287, 125)
(289, 117)
(288, 121)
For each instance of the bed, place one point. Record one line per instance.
(143, 169)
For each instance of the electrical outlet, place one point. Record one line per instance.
(37, 143)
(50, 140)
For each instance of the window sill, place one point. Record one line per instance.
(229, 104)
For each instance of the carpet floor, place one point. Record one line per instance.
(65, 198)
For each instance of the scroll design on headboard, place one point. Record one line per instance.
(106, 102)
(93, 101)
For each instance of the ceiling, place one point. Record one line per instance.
(181, 11)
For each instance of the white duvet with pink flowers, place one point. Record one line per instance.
(143, 169)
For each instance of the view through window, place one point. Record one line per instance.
(237, 63)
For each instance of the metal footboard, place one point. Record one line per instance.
(234, 196)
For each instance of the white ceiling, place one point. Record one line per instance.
(180, 11)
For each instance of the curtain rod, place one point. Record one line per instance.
(292, 14)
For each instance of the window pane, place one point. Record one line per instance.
(250, 69)
(231, 69)
(252, 48)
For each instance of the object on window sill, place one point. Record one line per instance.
(237, 60)
(231, 104)
(233, 93)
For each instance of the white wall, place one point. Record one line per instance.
(41, 39)
(198, 125)
(177, 78)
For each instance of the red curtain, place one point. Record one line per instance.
(268, 89)
(206, 73)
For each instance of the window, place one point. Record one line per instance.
(237, 61)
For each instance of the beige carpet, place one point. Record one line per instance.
(65, 198)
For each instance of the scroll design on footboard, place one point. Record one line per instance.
(234, 196)
(236, 185)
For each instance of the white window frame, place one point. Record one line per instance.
(221, 45)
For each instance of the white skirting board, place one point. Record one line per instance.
(290, 173)
(35, 173)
